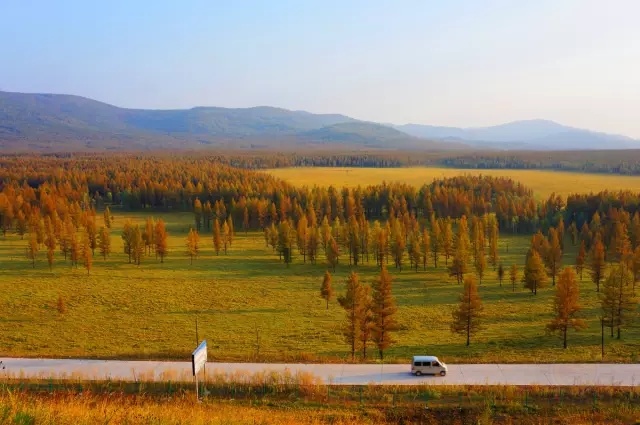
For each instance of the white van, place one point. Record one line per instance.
(428, 365)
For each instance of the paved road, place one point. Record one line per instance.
(345, 374)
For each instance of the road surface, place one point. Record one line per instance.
(340, 374)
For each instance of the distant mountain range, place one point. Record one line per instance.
(528, 134)
(55, 122)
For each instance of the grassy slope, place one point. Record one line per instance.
(149, 311)
(542, 182)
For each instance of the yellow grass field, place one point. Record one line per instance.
(542, 182)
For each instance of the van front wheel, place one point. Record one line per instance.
(443, 373)
(418, 373)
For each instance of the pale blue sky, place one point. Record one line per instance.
(454, 62)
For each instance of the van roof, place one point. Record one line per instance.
(425, 358)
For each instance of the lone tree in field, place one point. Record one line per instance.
(535, 275)
(193, 244)
(500, 273)
(160, 240)
(352, 303)
(580, 259)
(618, 303)
(597, 264)
(104, 242)
(466, 318)
(384, 310)
(566, 305)
(326, 291)
(226, 236)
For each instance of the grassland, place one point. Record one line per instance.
(542, 182)
(250, 306)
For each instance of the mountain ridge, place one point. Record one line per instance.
(47, 121)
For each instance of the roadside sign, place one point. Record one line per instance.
(199, 357)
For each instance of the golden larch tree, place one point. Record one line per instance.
(535, 275)
(566, 305)
(104, 242)
(193, 242)
(384, 310)
(326, 290)
(160, 239)
(352, 302)
(467, 317)
(87, 253)
(618, 302)
(597, 264)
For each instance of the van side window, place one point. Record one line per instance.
(436, 364)
(417, 364)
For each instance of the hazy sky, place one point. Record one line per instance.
(453, 62)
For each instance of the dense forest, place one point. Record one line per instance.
(622, 162)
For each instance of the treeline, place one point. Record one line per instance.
(624, 162)
(254, 200)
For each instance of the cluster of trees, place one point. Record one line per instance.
(251, 198)
(140, 242)
(399, 240)
(370, 312)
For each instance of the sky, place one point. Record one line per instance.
(464, 63)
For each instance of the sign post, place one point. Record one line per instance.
(198, 360)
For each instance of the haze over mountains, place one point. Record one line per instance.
(54, 122)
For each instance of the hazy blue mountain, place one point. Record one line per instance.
(64, 122)
(528, 134)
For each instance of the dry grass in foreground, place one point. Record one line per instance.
(41, 402)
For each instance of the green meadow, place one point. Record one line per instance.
(252, 307)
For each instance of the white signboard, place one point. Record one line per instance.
(199, 357)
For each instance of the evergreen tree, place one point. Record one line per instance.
(466, 318)
(566, 306)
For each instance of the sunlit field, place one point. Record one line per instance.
(542, 182)
(250, 306)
